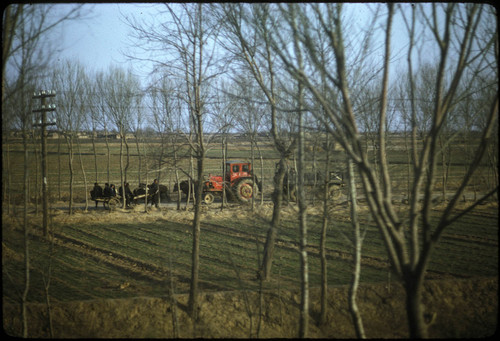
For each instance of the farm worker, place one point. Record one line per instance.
(128, 194)
(154, 192)
(112, 191)
(107, 190)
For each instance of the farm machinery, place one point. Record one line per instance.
(238, 182)
(313, 181)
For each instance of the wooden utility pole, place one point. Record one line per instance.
(44, 108)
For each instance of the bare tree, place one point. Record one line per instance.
(188, 44)
(24, 297)
(247, 35)
(92, 119)
(137, 131)
(248, 116)
(409, 252)
(291, 17)
(24, 29)
(70, 77)
(122, 91)
(166, 118)
(226, 108)
(25, 122)
(245, 111)
(99, 104)
(23, 58)
(196, 62)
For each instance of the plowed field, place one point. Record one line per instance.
(99, 255)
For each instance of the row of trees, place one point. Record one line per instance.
(287, 68)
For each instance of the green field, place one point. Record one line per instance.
(58, 164)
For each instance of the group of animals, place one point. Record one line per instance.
(162, 189)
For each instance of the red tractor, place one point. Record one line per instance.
(239, 182)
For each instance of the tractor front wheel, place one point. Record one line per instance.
(208, 198)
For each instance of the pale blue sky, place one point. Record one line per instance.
(99, 41)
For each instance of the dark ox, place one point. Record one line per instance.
(184, 186)
(164, 195)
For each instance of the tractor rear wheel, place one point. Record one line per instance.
(244, 190)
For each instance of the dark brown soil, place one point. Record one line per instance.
(465, 308)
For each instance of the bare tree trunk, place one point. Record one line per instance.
(195, 264)
(196, 111)
(24, 297)
(122, 175)
(69, 141)
(445, 165)
(125, 203)
(59, 182)
(261, 178)
(108, 154)
(408, 168)
(252, 158)
(127, 164)
(160, 157)
(357, 242)
(146, 189)
(37, 162)
(179, 192)
(139, 156)
(272, 232)
(84, 176)
(7, 189)
(94, 149)
(261, 174)
(224, 155)
(322, 242)
(414, 308)
(304, 265)
(190, 182)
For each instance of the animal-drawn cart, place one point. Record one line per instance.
(110, 202)
(139, 195)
